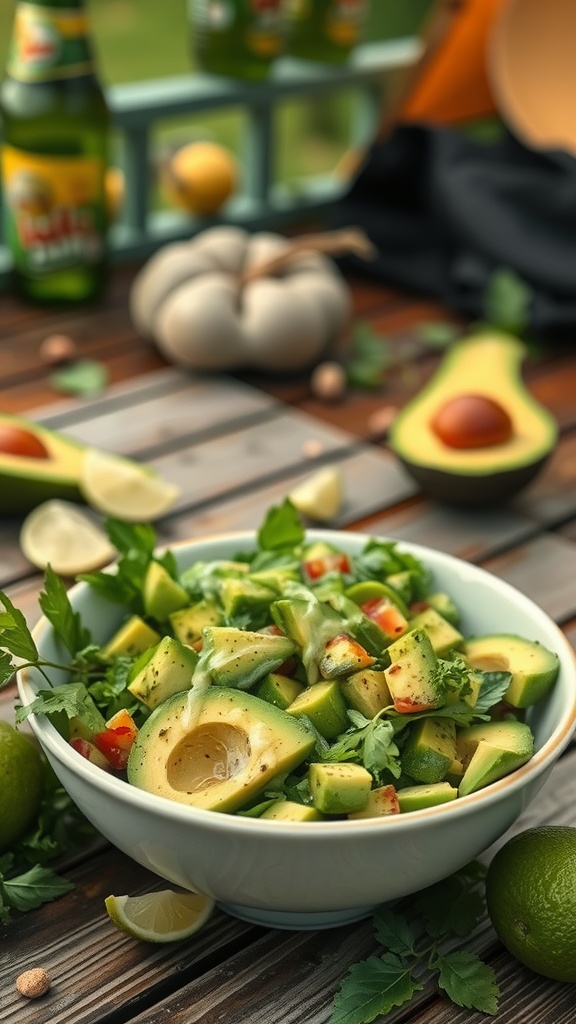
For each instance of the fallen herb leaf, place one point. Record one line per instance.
(85, 378)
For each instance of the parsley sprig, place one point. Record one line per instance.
(418, 946)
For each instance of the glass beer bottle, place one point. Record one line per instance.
(54, 155)
(325, 30)
(239, 38)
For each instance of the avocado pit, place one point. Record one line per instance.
(17, 441)
(208, 756)
(472, 421)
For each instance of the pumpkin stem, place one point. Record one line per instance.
(331, 243)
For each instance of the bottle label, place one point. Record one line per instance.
(260, 22)
(49, 43)
(54, 211)
(344, 20)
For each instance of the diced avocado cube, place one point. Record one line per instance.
(339, 788)
(429, 750)
(279, 690)
(241, 596)
(324, 705)
(169, 670)
(133, 638)
(187, 623)
(416, 798)
(342, 656)
(240, 657)
(289, 810)
(381, 801)
(533, 667)
(412, 676)
(491, 750)
(443, 636)
(162, 594)
(366, 691)
(445, 606)
(277, 578)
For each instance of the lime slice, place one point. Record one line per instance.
(123, 488)
(319, 496)
(59, 534)
(164, 916)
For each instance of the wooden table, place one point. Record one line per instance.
(236, 445)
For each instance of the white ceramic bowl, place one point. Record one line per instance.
(294, 875)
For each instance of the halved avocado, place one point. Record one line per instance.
(222, 756)
(486, 365)
(28, 480)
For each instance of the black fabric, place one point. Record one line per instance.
(445, 210)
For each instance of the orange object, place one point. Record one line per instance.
(451, 82)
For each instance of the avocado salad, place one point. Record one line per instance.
(295, 682)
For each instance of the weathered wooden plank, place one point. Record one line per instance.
(543, 569)
(551, 498)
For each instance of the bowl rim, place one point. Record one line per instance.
(493, 794)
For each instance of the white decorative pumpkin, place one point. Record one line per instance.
(228, 299)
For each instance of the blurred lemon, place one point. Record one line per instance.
(200, 177)
(164, 916)
(21, 791)
(123, 488)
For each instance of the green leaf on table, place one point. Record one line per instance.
(468, 981)
(85, 378)
(438, 334)
(372, 987)
(369, 358)
(34, 887)
(393, 932)
(452, 906)
(507, 301)
(67, 624)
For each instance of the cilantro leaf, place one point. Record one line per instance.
(282, 528)
(468, 981)
(507, 301)
(373, 987)
(85, 377)
(128, 537)
(450, 906)
(34, 887)
(7, 669)
(15, 636)
(67, 624)
(393, 932)
(492, 690)
(72, 699)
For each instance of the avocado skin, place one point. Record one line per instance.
(472, 489)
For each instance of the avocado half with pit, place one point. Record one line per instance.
(216, 749)
(475, 435)
(36, 464)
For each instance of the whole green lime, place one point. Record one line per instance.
(21, 784)
(531, 899)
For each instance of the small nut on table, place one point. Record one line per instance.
(33, 983)
(58, 348)
(328, 381)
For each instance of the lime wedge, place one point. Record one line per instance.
(123, 488)
(164, 916)
(59, 534)
(319, 496)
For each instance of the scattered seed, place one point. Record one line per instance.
(58, 348)
(328, 382)
(312, 448)
(33, 983)
(381, 420)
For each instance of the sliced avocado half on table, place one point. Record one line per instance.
(487, 365)
(51, 470)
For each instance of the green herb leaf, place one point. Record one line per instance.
(72, 699)
(34, 887)
(373, 987)
(85, 378)
(438, 334)
(492, 690)
(282, 528)
(15, 636)
(451, 906)
(7, 669)
(468, 981)
(369, 358)
(507, 301)
(67, 624)
(393, 932)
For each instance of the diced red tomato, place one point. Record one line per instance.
(418, 606)
(386, 615)
(116, 740)
(337, 561)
